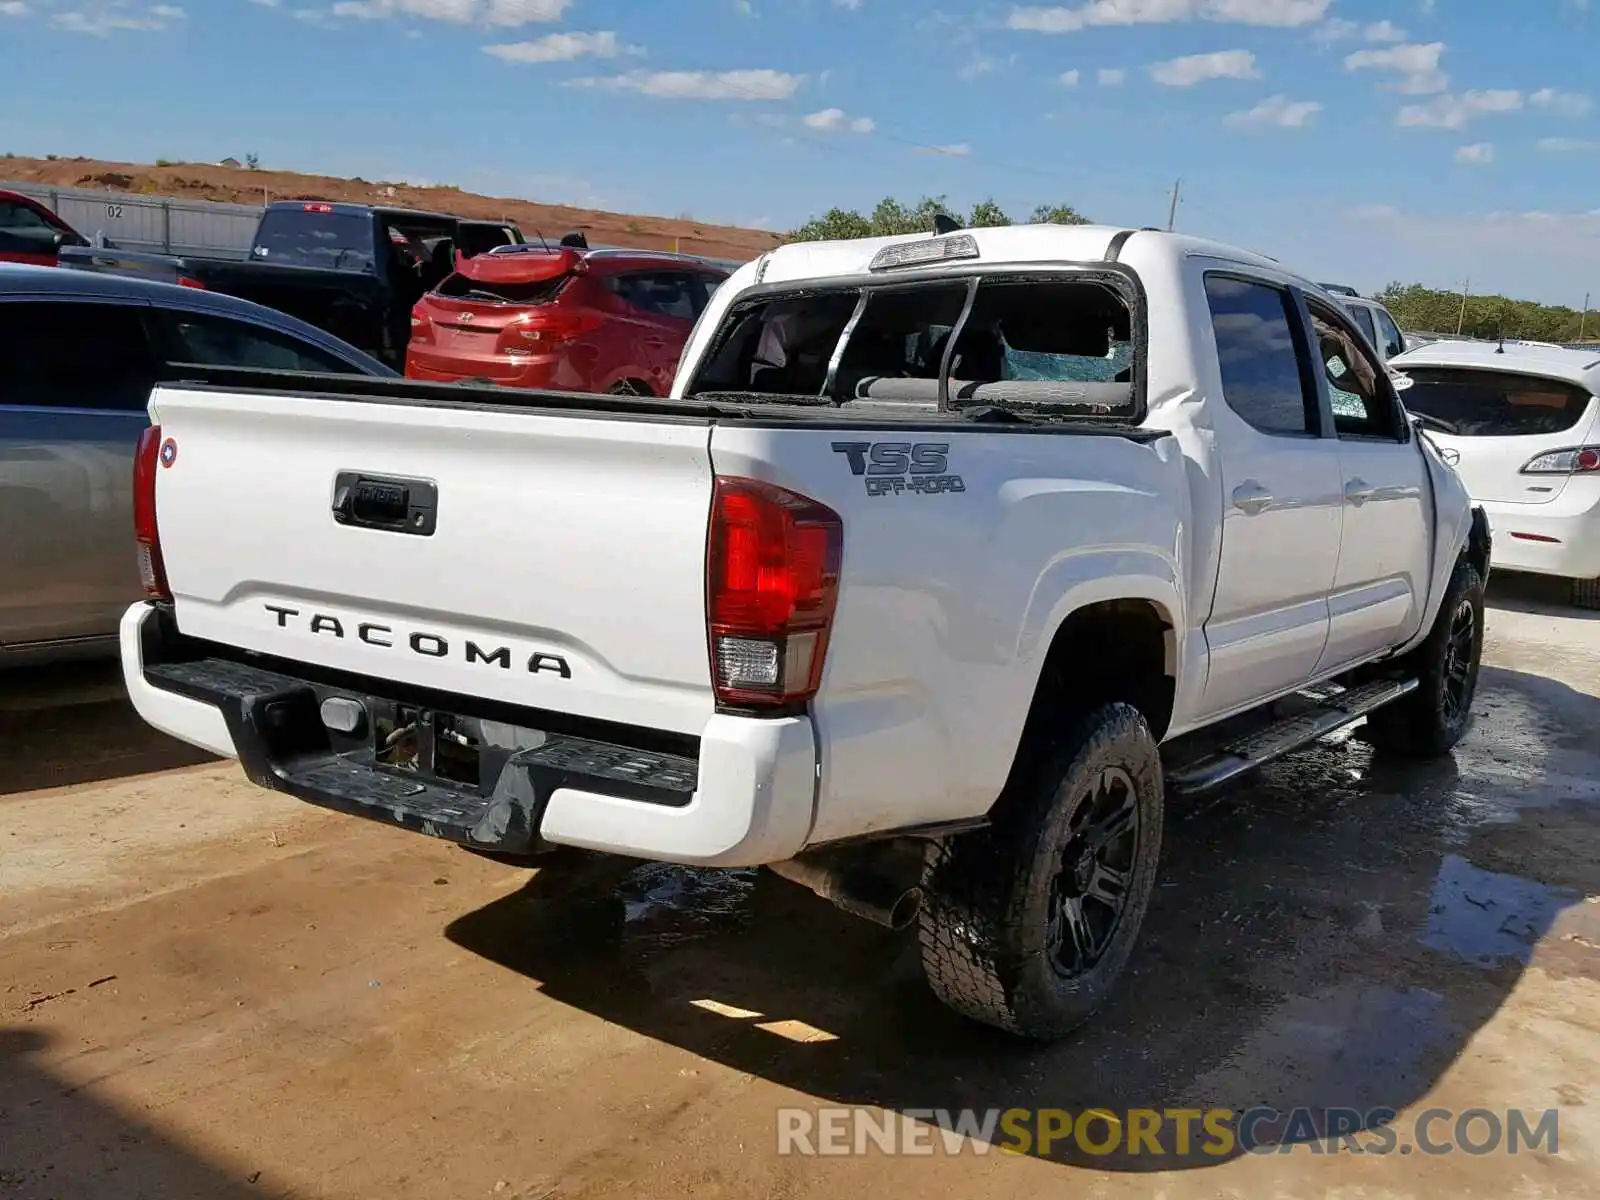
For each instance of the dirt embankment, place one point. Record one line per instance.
(240, 185)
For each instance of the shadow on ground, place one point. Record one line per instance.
(58, 1141)
(1330, 937)
(71, 724)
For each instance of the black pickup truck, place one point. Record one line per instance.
(351, 269)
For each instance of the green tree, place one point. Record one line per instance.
(1057, 214)
(891, 217)
(986, 214)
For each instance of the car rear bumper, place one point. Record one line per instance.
(1546, 539)
(523, 371)
(742, 796)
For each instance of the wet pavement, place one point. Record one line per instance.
(209, 991)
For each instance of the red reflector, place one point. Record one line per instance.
(1536, 537)
(772, 562)
(185, 281)
(146, 462)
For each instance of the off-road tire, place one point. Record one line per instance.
(1430, 721)
(1586, 593)
(985, 925)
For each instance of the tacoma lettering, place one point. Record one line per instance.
(428, 645)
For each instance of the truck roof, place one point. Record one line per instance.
(1579, 367)
(1000, 244)
(362, 210)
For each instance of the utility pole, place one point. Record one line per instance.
(1172, 213)
(1583, 318)
(1462, 319)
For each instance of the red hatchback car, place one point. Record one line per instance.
(569, 319)
(31, 233)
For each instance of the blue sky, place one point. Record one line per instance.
(1357, 140)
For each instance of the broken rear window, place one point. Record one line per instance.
(539, 291)
(1048, 343)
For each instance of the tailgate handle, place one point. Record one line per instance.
(385, 502)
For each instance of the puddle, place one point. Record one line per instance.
(1485, 917)
(665, 905)
(1354, 1044)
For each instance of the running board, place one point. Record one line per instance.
(1330, 712)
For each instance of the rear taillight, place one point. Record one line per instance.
(146, 462)
(421, 327)
(1574, 460)
(772, 580)
(189, 282)
(550, 328)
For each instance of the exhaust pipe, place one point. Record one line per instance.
(861, 884)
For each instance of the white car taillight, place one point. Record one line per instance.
(772, 582)
(1574, 460)
(147, 459)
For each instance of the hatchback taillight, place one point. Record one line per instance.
(146, 462)
(1573, 460)
(772, 566)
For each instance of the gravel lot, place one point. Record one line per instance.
(207, 990)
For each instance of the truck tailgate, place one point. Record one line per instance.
(562, 568)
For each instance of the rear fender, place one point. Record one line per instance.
(1456, 525)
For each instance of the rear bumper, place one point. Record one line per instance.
(744, 799)
(1546, 539)
(528, 371)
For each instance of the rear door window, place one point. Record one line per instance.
(67, 354)
(659, 293)
(1254, 324)
(1471, 403)
(224, 342)
(1363, 316)
(1393, 342)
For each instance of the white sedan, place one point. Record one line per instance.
(1518, 421)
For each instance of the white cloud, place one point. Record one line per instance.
(753, 85)
(1384, 31)
(1276, 111)
(1071, 79)
(1455, 112)
(979, 64)
(1566, 145)
(1111, 76)
(1416, 63)
(836, 120)
(102, 20)
(956, 150)
(1567, 104)
(562, 47)
(1062, 19)
(13, 8)
(1479, 154)
(461, 12)
(1197, 68)
(1335, 29)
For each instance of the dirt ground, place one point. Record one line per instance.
(239, 185)
(211, 991)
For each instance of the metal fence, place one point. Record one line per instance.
(170, 226)
(158, 223)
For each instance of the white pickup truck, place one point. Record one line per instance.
(949, 559)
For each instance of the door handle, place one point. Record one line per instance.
(1358, 490)
(1251, 498)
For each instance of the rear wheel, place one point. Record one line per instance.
(1027, 925)
(1432, 719)
(1586, 593)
